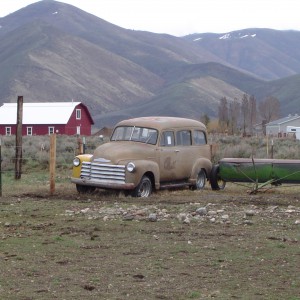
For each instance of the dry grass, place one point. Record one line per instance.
(103, 246)
(71, 246)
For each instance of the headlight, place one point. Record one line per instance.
(130, 167)
(76, 162)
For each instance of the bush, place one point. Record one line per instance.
(258, 147)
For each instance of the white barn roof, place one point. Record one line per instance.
(38, 113)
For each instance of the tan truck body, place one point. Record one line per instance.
(147, 153)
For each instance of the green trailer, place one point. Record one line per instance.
(261, 172)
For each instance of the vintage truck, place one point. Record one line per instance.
(146, 154)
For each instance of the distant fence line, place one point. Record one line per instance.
(36, 151)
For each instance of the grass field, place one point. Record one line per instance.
(177, 244)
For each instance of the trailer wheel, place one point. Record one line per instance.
(216, 182)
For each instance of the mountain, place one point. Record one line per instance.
(269, 54)
(52, 51)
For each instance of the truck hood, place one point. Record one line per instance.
(116, 152)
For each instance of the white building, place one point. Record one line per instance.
(280, 126)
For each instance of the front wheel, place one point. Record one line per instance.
(144, 188)
(216, 182)
(85, 189)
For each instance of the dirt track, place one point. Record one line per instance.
(175, 245)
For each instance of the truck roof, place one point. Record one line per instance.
(161, 123)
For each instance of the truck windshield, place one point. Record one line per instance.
(137, 134)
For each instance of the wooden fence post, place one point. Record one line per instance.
(0, 171)
(52, 162)
(18, 161)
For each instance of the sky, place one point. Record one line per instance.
(183, 17)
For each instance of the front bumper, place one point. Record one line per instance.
(104, 184)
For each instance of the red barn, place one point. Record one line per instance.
(46, 118)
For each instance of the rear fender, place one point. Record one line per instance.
(201, 163)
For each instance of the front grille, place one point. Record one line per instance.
(103, 173)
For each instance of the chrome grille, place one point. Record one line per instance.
(103, 172)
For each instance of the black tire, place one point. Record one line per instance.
(85, 189)
(144, 188)
(200, 180)
(216, 182)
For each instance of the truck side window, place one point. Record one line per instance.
(167, 139)
(183, 138)
(199, 137)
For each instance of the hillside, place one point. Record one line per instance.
(52, 51)
(49, 65)
(269, 54)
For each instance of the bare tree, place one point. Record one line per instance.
(252, 112)
(233, 111)
(269, 108)
(223, 113)
(245, 113)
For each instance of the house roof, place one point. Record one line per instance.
(38, 113)
(283, 120)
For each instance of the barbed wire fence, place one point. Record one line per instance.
(36, 153)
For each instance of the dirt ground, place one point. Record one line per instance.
(178, 244)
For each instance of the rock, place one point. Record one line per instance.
(85, 210)
(187, 220)
(181, 217)
(297, 222)
(212, 213)
(140, 212)
(201, 211)
(248, 222)
(128, 217)
(249, 213)
(272, 208)
(225, 217)
(152, 217)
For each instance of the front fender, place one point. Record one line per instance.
(144, 167)
(76, 170)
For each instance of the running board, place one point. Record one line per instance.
(174, 185)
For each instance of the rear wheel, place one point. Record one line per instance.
(85, 189)
(216, 182)
(144, 188)
(200, 180)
